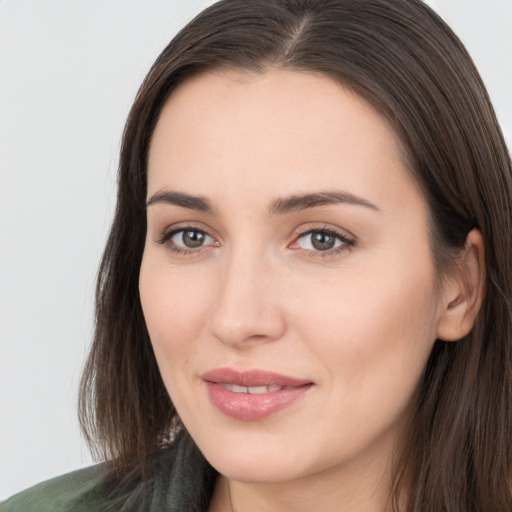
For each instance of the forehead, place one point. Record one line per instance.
(231, 131)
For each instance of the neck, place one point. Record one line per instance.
(338, 489)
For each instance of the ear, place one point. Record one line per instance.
(464, 291)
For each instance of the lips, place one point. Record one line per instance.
(252, 395)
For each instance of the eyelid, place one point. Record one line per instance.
(166, 235)
(348, 239)
(322, 226)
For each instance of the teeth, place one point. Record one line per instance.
(252, 390)
(238, 389)
(256, 390)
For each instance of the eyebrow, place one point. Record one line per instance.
(305, 201)
(280, 206)
(181, 199)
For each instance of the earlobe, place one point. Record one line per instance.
(464, 291)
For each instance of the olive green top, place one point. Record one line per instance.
(181, 481)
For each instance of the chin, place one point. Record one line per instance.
(256, 472)
(254, 464)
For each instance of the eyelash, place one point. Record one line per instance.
(346, 243)
(166, 237)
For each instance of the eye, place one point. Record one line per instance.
(186, 239)
(190, 239)
(323, 240)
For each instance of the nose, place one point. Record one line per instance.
(247, 308)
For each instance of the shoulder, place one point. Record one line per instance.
(77, 491)
(177, 478)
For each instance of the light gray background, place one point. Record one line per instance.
(69, 71)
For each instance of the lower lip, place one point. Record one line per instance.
(248, 407)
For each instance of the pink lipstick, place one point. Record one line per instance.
(254, 394)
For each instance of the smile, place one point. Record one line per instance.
(252, 395)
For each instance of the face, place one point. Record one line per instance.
(287, 281)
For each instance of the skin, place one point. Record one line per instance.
(358, 320)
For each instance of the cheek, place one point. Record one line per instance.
(175, 305)
(373, 334)
(366, 309)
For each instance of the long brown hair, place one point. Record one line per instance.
(404, 60)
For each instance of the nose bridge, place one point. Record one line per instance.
(246, 306)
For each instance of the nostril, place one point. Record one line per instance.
(239, 326)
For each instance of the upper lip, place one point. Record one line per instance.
(250, 378)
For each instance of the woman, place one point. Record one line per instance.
(304, 299)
